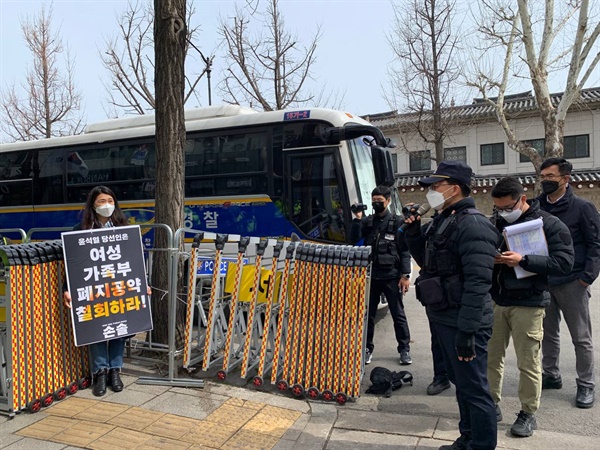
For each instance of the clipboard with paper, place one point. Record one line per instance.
(526, 238)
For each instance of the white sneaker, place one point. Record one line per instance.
(368, 356)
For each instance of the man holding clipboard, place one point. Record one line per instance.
(534, 244)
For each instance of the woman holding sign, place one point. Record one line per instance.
(102, 210)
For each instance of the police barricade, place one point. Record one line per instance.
(40, 362)
(299, 312)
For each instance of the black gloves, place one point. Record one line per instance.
(465, 344)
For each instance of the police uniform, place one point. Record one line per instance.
(456, 254)
(390, 261)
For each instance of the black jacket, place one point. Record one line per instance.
(473, 242)
(583, 221)
(375, 231)
(507, 290)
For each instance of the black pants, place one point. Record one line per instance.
(394, 298)
(439, 366)
(475, 404)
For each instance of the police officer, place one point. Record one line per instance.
(390, 272)
(456, 254)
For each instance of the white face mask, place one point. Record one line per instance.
(510, 217)
(436, 199)
(105, 210)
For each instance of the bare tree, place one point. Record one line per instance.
(170, 46)
(269, 70)
(46, 103)
(565, 39)
(129, 59)
(422, 80)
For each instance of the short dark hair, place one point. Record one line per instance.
(464, 189)
(508, 186)
(564, 166)
(385, 191)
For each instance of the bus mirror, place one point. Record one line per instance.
(390, 143)
(382, 163)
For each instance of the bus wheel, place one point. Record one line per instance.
(221, 375)
(327, 395)
(312, 393)
(297, 390)
(60, 394)
(257, 381)
(282, 385)
(34, 406)
(341, 398)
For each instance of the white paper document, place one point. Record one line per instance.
(526, 238)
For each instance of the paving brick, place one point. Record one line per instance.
(82, 433)
(102, 412)
(210, 434)
(48, 427)
(231, 415)
(281, 412)
(120, 438)
(171, 426)
(245, 403)
(250, 440)
(268, 424)
(70, 407)
(136, 418)
(160, 443)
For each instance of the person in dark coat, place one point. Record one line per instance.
(456, 254)
(390, 273)
(570, 293)
(520, 302)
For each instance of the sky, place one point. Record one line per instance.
(353, 54)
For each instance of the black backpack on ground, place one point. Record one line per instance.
(385, 381)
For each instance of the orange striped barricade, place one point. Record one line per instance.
(289, 361)
(334, 327)
(236, 326)
(326, 317)
(315, 329)
(253, 331)
(215, 311)
(282, 312)
(305, 320)
(352, 315)
(269, 327)
(191, 300)
(362, 301)
(341, 337)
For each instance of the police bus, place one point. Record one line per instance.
(246, 172)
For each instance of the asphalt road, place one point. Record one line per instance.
(557, 411)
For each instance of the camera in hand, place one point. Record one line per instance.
(358, 207)
(411, 210)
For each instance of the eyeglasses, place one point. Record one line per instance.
(508, 210)
(550, 176)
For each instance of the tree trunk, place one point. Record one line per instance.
(169, 46)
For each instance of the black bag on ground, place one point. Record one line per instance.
(385, 381)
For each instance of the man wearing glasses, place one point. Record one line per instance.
(456, 254)
(570, 294)
(520, 302)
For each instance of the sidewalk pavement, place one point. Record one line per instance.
(230, 417)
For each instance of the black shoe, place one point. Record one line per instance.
(460, 444)
(524, 425)
(498, 413)
(99, 383)
(368, 356)
(550, 382)
(585, 397)
(114, 380)
(438, 386)
(405, 358)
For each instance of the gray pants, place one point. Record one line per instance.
(573, 300)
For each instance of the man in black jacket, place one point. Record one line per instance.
(570, 293)
(520, 303)
(456, 254)
(390, 273)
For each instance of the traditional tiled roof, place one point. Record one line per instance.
(480, 109)
(412, 179)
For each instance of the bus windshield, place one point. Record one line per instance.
(364, 173)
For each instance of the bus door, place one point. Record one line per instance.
(316, 195)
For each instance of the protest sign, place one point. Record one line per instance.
(107, 282)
